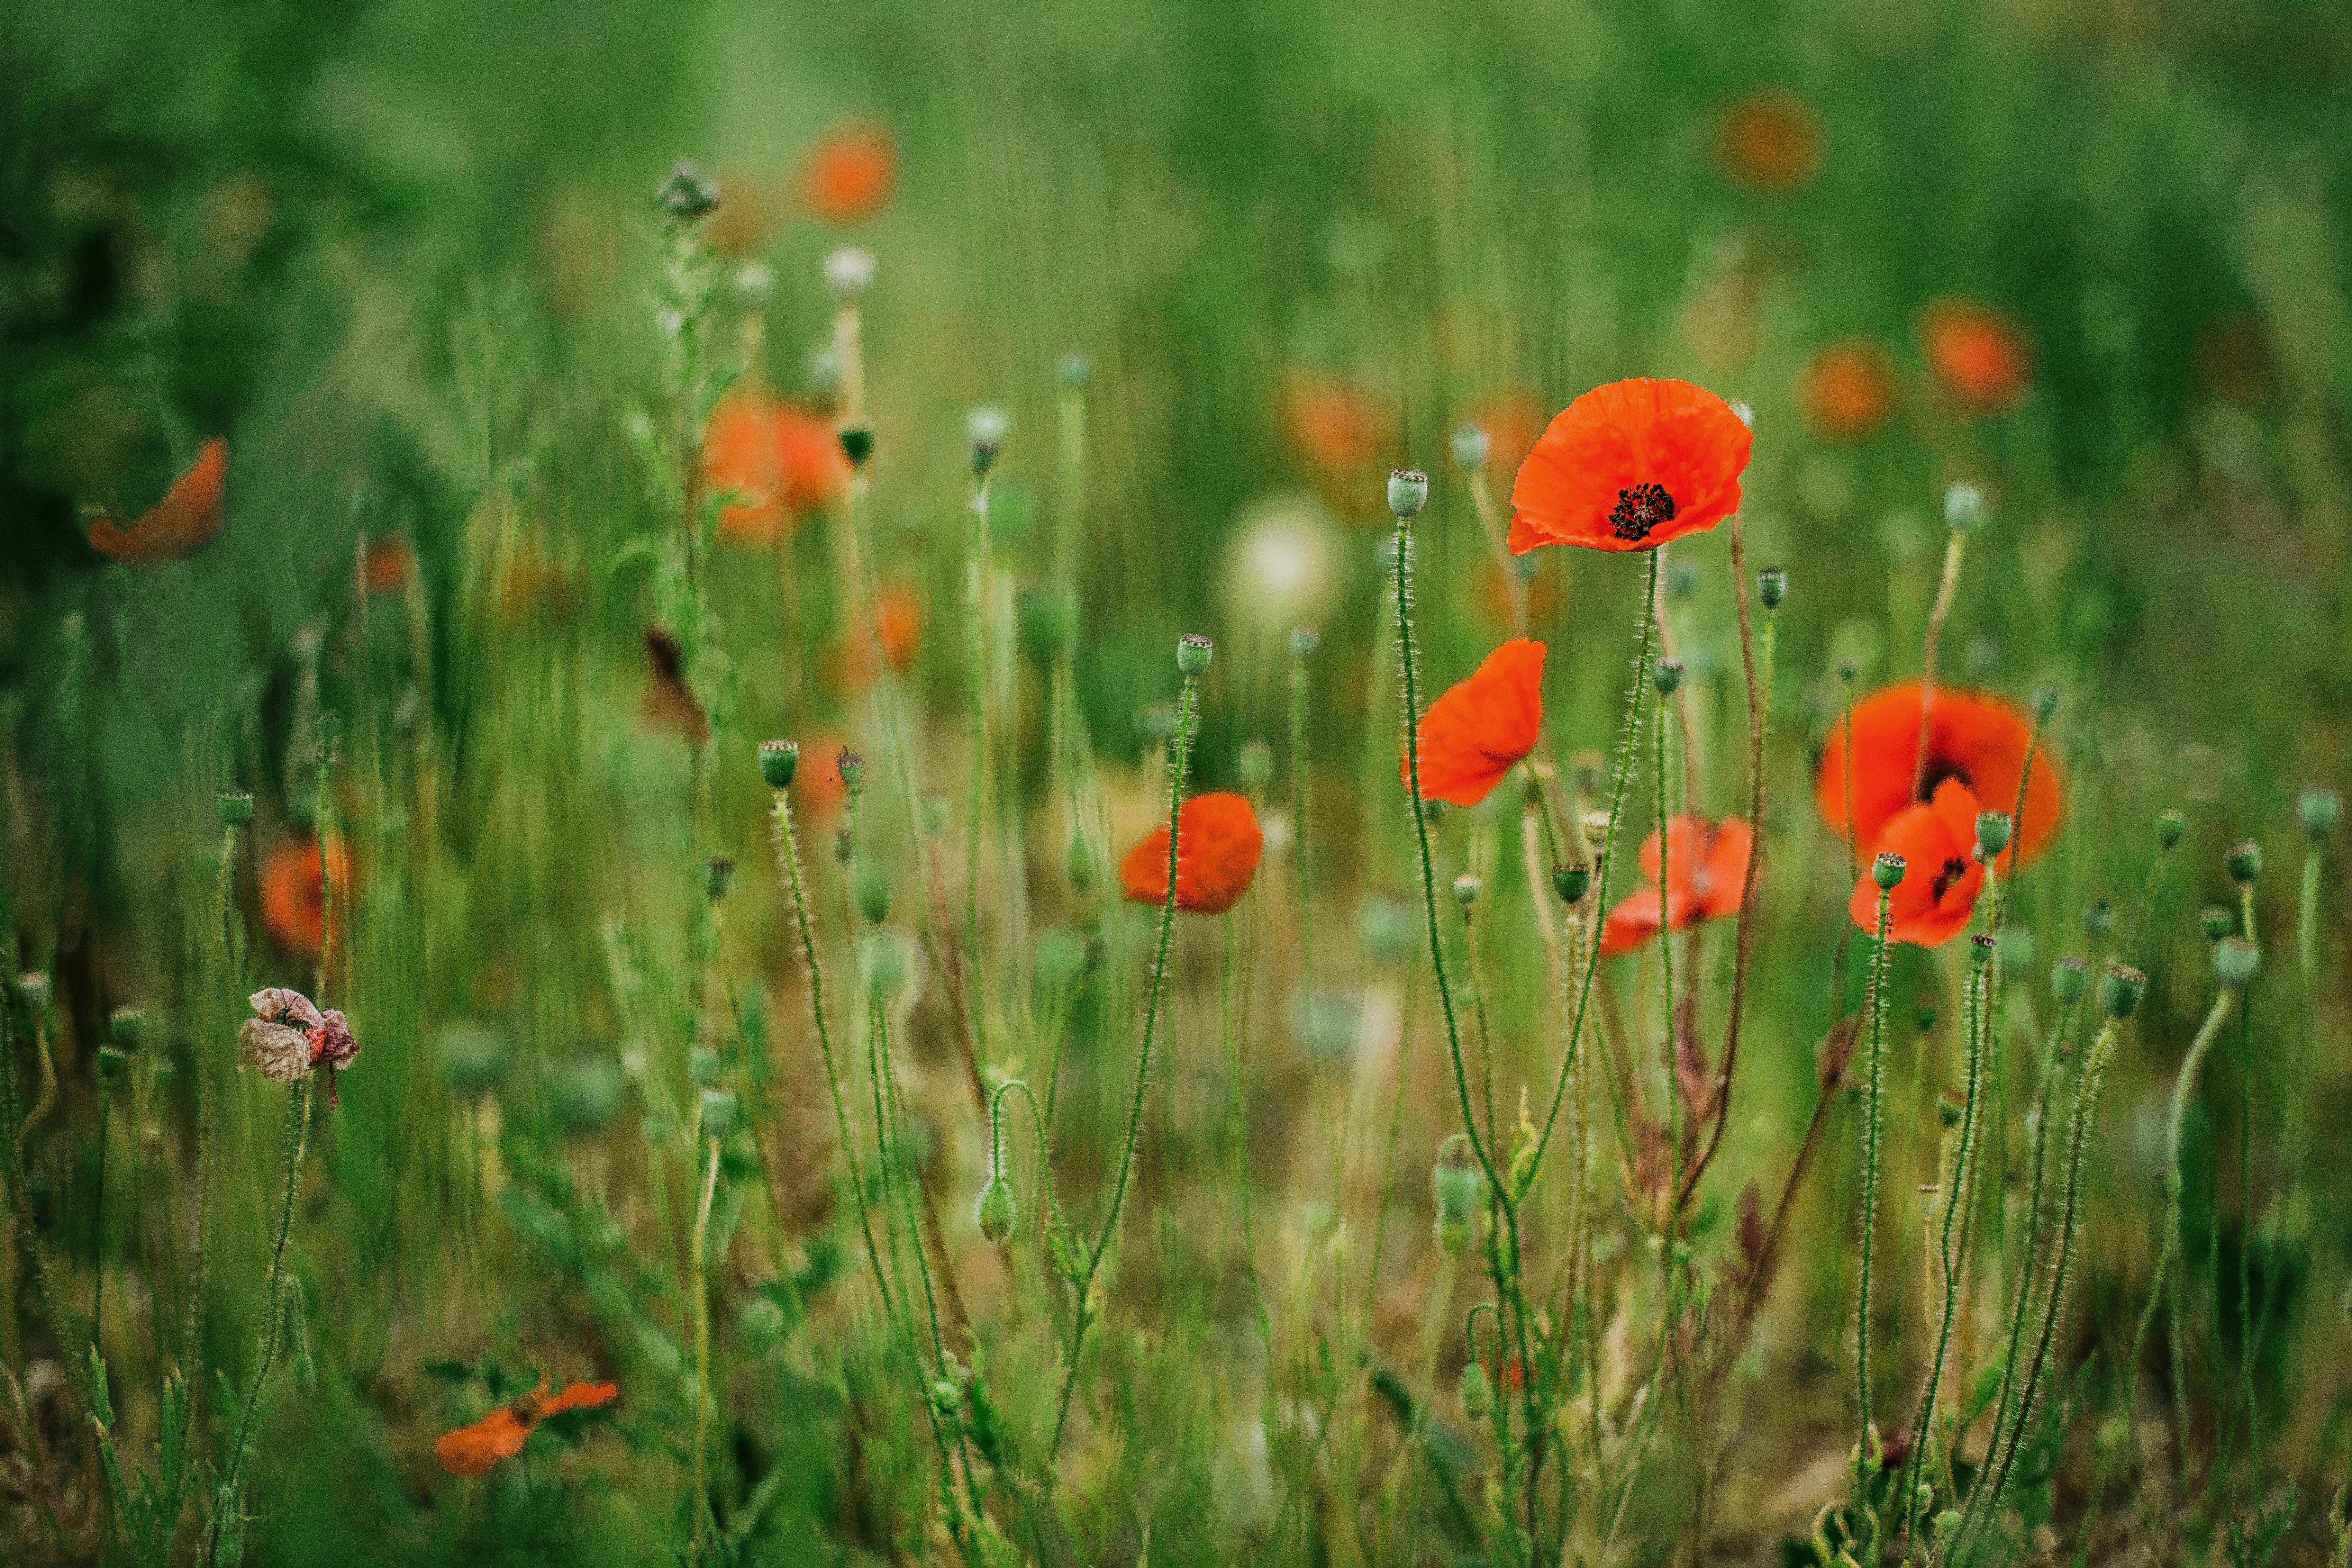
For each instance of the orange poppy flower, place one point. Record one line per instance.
(180, 524)
(1982, 359)
(1706, 873)
(293, 901)
(387, 565)
(1972, 736)
(1769, 141)
(1216, 855)
(1941, 878)
(1479, 730)
(1344, 432)
(782, 463)
(1849, 390)
(475, 1449)
(848, 663)
(849, 174)
(1629, 466)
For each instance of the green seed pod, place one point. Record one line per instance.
(1194, 652)
(933, 810)
(33, 985)
(1923, 1009)
(1771, 588)
(998, 1212)
(1570, 881)
(779, 760)
(1079, 863)
(851, 767)
(128, 1027)
(873, 895)
(1981, 947)
(1964, 507)
(2245, 861)
(718, 1110)
(2121, 991)
(1302, 641)
(1465, 890)
(472, 1056)
(2216, 921)
(236, 808)
(2069, 979)
(586, 1094)
(1477, 1391)
(2098, 919)
(2234, 961)
(718, 878)
(858, 444)
(2169, 826)
(2318, 809)
(986, 425)
(702, 1066)
(1256, 766)
(111, 1061)
(1887, 870)
(1408, 493)
(1668, 676)
(1993, 828)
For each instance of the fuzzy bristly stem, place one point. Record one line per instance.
(298, 1106)
(701, 1275)
(1873, 1132)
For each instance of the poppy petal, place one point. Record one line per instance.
(1973, 736)
(1633, 921)
(1216, 855)
(179, 525)
(1936, 896)
(1474, 733)
(1614, 447)
(581, 1396)
(473, 1450)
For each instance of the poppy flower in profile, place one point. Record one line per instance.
(179, 525)
(1707, 874)
(1217, 848)
(387, 562)
(669, 706)
(1629, 466)
(782, 465)
(1982, 359)
(294, 899)
(475, 1449)
(1849, 390)
(1941, 878)
(1769, 141)
(1972, 736)
(849, 174)
(1480, 728)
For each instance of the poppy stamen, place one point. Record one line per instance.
(1952, 871)
(1639, 509)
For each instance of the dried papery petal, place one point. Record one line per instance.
(278, 1005)
(278, 1053)
(332, 1045)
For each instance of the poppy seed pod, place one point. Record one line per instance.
(2069, 979)
(2045, 703)
(1924, 1011)
(1465, 890)
(33, 985)
(873, 895)
(688, 195)
(1076, 371)
(111, 1060)
(998, 1211)
(1886, 871)
(851, 767)
(1771, 588)
(702, 1066)
(848, 271)
(2169, 826)
(1470, 446)
(1964, 507)
(2245, 861)
(1256, 766)
(2120, 992)
(2234, 961)
(2098, 918)
(1993, 834)
(718, 878)
(1194, 652)
(2318, 809)
(858, 444)
(1408, 493)
(2216, 921)
(1668, 676)
(1847, 669)
(1981, 948)
(1302, 641)
(779, 760)
(1477, 1393)
(236, 808)
(1570, 881)
(128, 1027)
(1078, 863)
(933, 810)
(986, 425)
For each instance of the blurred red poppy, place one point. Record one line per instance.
(1217, 848)
(179, 525)
(1941, 878)
(1982, 359)
(1972, 736)
(1343, 432)
(475, 1449)
(1769, 141)
(1629, 466)
(1706, 873)
(782, 463)
(387, 563)
(293, 900)
(1477, 732)
(1849, 390)
(848, 664)
(849, 174)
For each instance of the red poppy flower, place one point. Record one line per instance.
(848, 664)
(1941, 878)
(1513, 419)
(1474, 733)
(293, 901)
(1629, 466)
(1982, 360)
(1706, 873)
(849, 174)
(1216, 855)
(782, 463)
(180, 524)
(387, 563)
(1769, 141)
(1344, 432)
(474, 1449)
(1848, 390)
(1972, 736)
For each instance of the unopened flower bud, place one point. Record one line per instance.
(1256, 766)
(1078, 862)
(858, 444)
(718, 878)
(1465, 890)
(1477, 1393)
(873, 895)
(848, 271)
(779, 760)
(2216, 921)
(1993, 829)
(2120, 993)
(1964, 507)
(1470, 446)
(1570, 881)
(1771, 588)
(1669, 675)
(2098, 918)
(1454, 1186)
(998, 1211)
(1194, 652)
(2234, 961)
(1887, 870)
(2318, 809)
(1981, 948)
(2170, 825)
(1302, 641)
(236, 808)
(2069, 977)
(2245, 861)
(1408, 493)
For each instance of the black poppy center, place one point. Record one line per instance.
(1953, 870)
(1639, 509)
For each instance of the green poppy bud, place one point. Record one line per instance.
(873, 895)
(998, 1212)
(1477, 1393)
(1079, 863)
(1408, 493)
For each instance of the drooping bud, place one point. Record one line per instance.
(2170, 825)
(1668, 676)
(236, 808)
(1194, 652)
(1465, 890)
(1408, 493)
(2234, 961)
(1981, 947)
(1470, 446)
(873, 895)
(2069, 977)
(1570, 881)
(2245, 861)
(1993, 829)
(1454, 1186)
(2098, 918)
(779, 760)
(1771, 588)
(2318, 809)
(1477, 1391)
(998, 1212)
(2216, 921)
(2120, 993)
(1887, 870)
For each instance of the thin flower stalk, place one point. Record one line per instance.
(1873, 1132)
